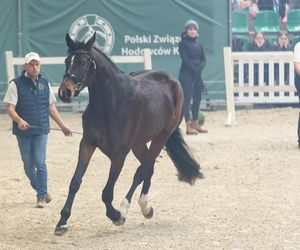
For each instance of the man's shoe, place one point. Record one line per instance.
(40, 202)
(48, 198)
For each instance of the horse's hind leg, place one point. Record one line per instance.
(140, 151)
(144, 173)
(147, 210)
(108, 191)
(85, 153)
(155, 148)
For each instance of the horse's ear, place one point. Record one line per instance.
(69, 41)
(90, 42)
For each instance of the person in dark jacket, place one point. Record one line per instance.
(30, 101)
(193, 61)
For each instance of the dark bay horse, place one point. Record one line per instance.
(124, 113)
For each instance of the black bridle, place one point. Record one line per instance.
(77, 81)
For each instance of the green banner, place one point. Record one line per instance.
(123, 27)
(8, 39)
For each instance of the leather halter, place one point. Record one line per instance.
(79, 82)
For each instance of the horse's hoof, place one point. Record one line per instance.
(150, 214)
(120, 221)
(59, 231)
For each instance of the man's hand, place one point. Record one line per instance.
(23, 125)
(56, 117)
(66, 130)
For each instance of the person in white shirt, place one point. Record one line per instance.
(30, 100)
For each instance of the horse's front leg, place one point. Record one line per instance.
(117, 163)
(85, 153)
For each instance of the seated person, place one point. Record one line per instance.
(282, 42)
(260, 43)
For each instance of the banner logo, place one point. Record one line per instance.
(85, 27)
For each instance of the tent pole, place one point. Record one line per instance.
(229, 23)
(20, 34)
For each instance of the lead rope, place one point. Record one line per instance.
(55, 129)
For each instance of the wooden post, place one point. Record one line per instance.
(10, 70)
(147, 59)
(231, 121)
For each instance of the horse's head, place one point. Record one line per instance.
(79, 64)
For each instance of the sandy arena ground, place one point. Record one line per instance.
(249, 199)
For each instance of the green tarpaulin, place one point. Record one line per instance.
(124, 27)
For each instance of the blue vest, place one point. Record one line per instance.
(32, 105)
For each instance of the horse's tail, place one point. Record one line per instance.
(184, 161)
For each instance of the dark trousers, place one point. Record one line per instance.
(192, 91)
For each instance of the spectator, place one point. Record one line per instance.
(260, 43)
(193, 61)
(282, 44)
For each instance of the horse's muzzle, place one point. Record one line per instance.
(65, 95)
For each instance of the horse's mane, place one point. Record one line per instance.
(81, 46)
(111, 63)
